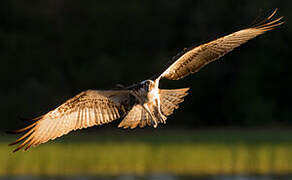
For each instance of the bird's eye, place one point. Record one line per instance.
(146, 85)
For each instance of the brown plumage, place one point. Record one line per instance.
(86, 109)
(196, 58)
(140, 104)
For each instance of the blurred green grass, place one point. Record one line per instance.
(183, 152)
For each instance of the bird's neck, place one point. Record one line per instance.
(156, 83)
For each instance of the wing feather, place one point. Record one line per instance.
(137, 116)
(171, 98)
(86, 109)
(196, 58)
(99, 115)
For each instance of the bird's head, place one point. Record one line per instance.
(148, 84)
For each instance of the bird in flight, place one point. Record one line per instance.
(141, 104)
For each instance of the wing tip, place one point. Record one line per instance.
(269, 23)
(27, 136)
(17, 149)
(29, 119)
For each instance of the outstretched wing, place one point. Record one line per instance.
(195, 58)
(86, 109)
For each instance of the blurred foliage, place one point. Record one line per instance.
(51, 50)
(213, 152)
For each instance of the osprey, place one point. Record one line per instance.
(140, 104)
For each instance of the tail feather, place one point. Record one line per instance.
(145, 120)
(137, 116)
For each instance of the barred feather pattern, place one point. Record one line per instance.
(169, 99)
(139, 103)
(196, 58)
(86, 109)
(137, 116)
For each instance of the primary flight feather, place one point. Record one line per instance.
(140, 104)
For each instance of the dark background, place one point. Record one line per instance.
(52, 50)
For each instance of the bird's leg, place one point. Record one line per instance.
(157, 101)
(159, 111)
(153, 117)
